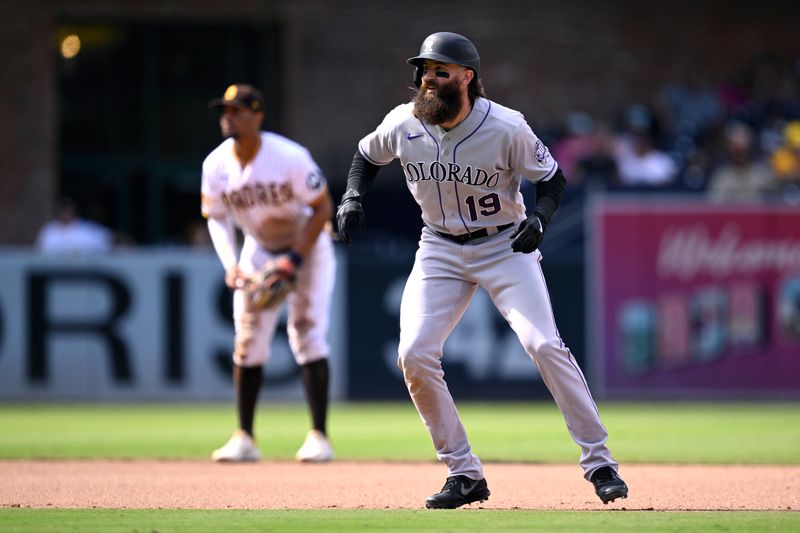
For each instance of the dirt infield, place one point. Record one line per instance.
(286, 485)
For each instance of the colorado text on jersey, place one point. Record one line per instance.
(436, 171)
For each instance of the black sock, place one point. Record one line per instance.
(315, 381)
(247, 383)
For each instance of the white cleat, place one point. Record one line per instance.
(240, 448)
(316, 449)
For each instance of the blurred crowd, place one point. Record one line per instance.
(726, 140)
(736, 139)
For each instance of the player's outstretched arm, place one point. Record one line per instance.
(359, 179)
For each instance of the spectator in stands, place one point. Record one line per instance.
(742, 176)
(585, 153)
(689, 108)
(785, 161)
(577, 143)
(68, 234)
(640, 163)
(773, 93)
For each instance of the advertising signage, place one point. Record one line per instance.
(694, 299)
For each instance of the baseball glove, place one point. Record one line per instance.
(269, 287)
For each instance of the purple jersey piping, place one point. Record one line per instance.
(455, 183)
(572, 360)
(438, 189)
(367, 157)
(550, 174)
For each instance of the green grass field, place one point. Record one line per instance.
(747, 433)
(198, 521)
(721, 433)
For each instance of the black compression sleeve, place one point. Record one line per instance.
(362, 174)
(548, 196)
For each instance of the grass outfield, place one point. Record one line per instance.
(721, 433)
(330, 520)
(744, 433)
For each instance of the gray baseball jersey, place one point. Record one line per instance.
(465, 180)
(469, 177)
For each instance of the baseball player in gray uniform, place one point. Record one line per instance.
(463, 157)
(271, 188)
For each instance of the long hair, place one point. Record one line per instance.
(475, 89)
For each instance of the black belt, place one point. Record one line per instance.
(466, 237)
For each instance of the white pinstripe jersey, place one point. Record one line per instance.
(269, 198)
(469, 177)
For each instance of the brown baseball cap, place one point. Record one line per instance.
(240, 95)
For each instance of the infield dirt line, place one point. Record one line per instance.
(287, 485)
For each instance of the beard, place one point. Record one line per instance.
(439, 107)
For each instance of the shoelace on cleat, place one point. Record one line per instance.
(451, 483)
(604, 476)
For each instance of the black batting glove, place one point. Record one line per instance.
(528, 235)
(349, 210)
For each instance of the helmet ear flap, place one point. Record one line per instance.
(418, 75)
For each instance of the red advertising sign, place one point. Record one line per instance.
(695, 299)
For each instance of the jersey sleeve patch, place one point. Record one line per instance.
(315, 180)
(541, 153)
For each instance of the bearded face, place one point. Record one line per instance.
(438, 100)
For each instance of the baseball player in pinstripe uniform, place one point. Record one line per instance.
(464, 157)
(271, 188)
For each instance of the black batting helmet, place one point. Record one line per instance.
(446, 47)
